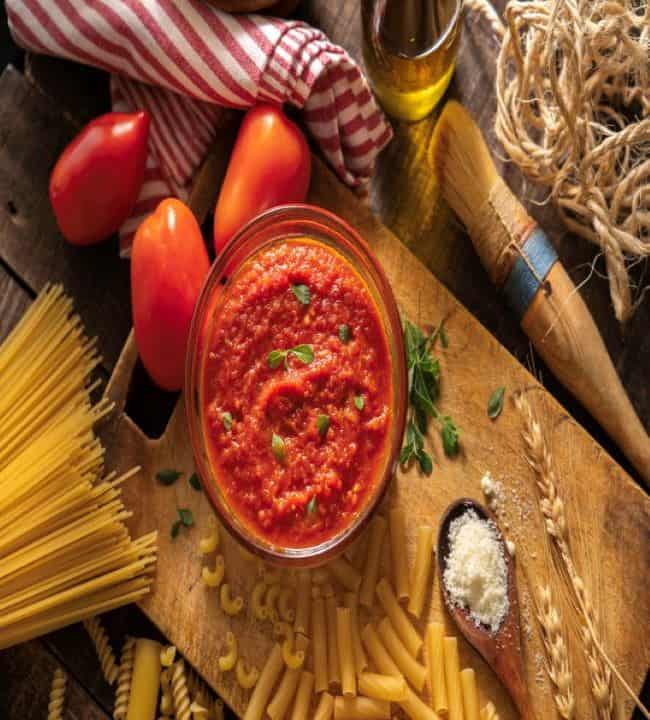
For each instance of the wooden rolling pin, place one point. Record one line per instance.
(521, 261)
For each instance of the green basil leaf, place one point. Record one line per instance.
(304, 353)
(175, 529)
(185, 516)
(226, 419)
(312, 505)
(322, 423)
(495, 403)
(302, 293)
(406, 454)
(275, 357)
(195, 483)
(449, 437)
(168, 476)
(426, 465)
(344, 333)
(359, 402)
(277, 446)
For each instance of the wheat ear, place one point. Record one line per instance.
(557, 666)
(551, 505)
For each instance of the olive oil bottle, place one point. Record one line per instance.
(409, 48)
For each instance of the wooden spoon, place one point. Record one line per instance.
(501, 649)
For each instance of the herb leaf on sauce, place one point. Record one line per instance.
(495, 403)
(168, 476)
(312, 505)
(277, 446)
(359, 402)
(424, 389)
(302, 293)
(226, 419)
(322, 424)
(344, 334)
(304, 353)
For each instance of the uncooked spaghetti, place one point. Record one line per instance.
(65, 552)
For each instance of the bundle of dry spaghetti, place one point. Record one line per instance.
(573, 111)
(65, 552)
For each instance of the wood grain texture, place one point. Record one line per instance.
(475, 363)
(25, 676)
(32, 135)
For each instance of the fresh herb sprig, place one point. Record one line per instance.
(424, 389)
(304, 353)
(185, 519)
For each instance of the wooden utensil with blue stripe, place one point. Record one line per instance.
(521, 261)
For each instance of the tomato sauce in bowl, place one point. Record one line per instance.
(297, 393)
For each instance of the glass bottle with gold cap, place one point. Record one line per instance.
(409, 48)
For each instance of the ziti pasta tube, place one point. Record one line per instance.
(333, 662)
(360, 708)
(319, 634)
(452, 678)
(325, 708)
(470, 694)
(345, 573)
(371, 571)
(269, 676)
(303, 696)
(436, 668)
(351, 600)
(382, 687)
(408, 665)
(398, 618)
(346, 653)
(284, 695)
(303, 603)
(421, 569)
(143, 699)
(399, 559)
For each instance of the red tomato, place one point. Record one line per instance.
(168, 265)
(97, 178)
(270, 165)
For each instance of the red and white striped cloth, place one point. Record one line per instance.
(161, 50)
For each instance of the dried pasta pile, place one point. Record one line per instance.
(573, 111)
(326, 662)
(65, 552)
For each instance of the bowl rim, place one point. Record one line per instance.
(331, 225)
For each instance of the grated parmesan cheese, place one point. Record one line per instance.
(476, 575)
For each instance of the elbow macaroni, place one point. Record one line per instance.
(231, 606)
(246, 676)
(228, 660)
(214, 578)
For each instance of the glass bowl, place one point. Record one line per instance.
(270, 227)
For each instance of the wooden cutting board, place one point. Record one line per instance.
(609, 515)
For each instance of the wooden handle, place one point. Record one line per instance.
(565, 335)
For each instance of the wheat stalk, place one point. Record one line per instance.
(551, 505)
(557, 666)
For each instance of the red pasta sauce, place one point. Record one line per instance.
(297, 448)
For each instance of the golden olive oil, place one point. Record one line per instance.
(409, 48)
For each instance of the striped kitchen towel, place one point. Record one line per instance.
(180, 59)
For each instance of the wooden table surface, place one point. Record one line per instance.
(42, 106)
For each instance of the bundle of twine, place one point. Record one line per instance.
(573, 112)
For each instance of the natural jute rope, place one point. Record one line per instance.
(573, 111)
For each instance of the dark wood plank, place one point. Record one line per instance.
(32, 134)
(25, 676)
(14, 300)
